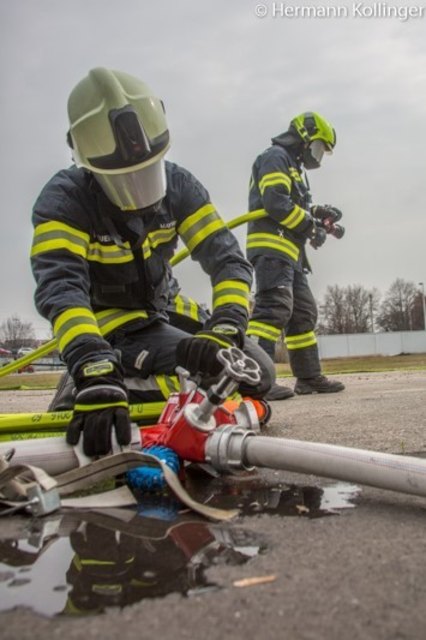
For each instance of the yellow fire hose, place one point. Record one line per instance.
(11, 423)
(41, 351)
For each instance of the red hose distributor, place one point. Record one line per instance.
(190, 416)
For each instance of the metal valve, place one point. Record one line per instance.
(238, 366)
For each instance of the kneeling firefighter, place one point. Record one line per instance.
(276, 248)
(104, 232)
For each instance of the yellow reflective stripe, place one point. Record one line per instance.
(179, 305)
(231, 299)
(54, 226)
(97, 407)
(57, 245)
(75, 332)
(213, 338)
(160, 236)
(193, 309)
(272, 179)
(111, 319)
(271, 241)
(231, 292)
(301, 341)
(186, 307)
(201, 224)
(73, 323)
(273, 183)
(146, 249)
(295, 174)
(194, 218)
(109, 254)
(53, 235)
(300, 336)
(296, 216)
(205, 233)
(167, 384)
(263, 330)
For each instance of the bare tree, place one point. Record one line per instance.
(400, 309)
(360, 306)
(348, 309)
(332, 311)
(14, 333)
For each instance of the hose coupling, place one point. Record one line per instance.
(225, 448)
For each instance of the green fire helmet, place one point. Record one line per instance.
(311, 126)
(318, 137)
(118, 131)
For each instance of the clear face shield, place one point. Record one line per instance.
(137, 189)
(313, 154)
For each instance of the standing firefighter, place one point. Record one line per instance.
(105, 230)
(276, 248)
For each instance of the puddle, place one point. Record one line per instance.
(254, 495)
(83, 563)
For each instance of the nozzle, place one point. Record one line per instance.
(337, 231)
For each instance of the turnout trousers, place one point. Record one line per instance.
(284, 303)
(148, 358)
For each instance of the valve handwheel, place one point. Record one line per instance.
(238, 366)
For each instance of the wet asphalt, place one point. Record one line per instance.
(359, 572)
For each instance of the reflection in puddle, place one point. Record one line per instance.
(83, 563)
(254, 494)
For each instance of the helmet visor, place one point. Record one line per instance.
(318, 148)
(135, 189)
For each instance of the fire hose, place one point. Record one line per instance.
(196, 425)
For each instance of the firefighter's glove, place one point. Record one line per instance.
(101, 405)
(326, 213)
(102, 569)
(198, 354)
(317, 237)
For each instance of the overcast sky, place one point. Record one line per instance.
(230, 81)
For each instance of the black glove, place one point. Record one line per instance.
(326, 213)
(197, 354)
(318, 236)
(102, 569)
(100, 404)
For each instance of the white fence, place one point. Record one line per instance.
(366, 344)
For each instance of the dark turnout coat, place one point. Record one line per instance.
(98, 269)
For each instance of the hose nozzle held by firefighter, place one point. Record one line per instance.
(327, 217)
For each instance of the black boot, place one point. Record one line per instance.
(319, 384)
(277, 392)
